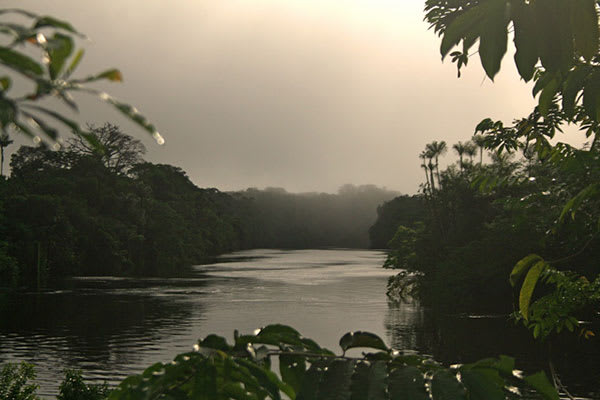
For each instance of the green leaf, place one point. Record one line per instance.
(525, 39)
(407, 383)
(540, 383)
(362, 339)
(494, 36)
(26, 13)
(554, 29)
(311, 381)
(292, 369)
(528, 287)
(541, 82)
(50, 131)
(445, 386)
(575, 202)
(215, 342)
(66, 121)
(573, 84)
(5, 82)
(523, 266)
(482, 384)
(267, 379)
(584, 19)
(133, 114)
(59, 49)
(464, 25)
(591, 96)
(19, 62)
(369, 381)
(74, 63)
(547, 96)
(8, 112)
(336, 380)
(54, 23)
(112, 74)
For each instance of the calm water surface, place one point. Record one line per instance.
(114, 327)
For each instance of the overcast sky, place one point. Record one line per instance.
(302, 94)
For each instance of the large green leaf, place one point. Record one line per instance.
(575, 202)
(407, 383)
(572, 85)
(362, 339)
(445, 386)
(482, 384)
(311, 381)
(336, 380)
(528, 287)
(547, 96)
(8, 112)
(19, 62)
(523, 266)
(48, 21)
(369, 381)
(525, 38)
(591, 95)
(292, 369)
(541, 384)
(555, 33)
(60, 48)
(466, 24)
(584, 18)
(494, 36)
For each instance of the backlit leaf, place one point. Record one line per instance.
(362, 339)
(528, 287)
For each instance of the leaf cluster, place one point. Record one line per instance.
(218, 370)
(50, 75)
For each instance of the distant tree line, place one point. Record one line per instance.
(95, 207)
(316, 220)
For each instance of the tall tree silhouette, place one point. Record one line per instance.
(437, 149)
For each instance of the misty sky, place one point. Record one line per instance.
(302, 94)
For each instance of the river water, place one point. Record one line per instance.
(113, 327)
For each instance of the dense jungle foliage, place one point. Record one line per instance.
(244, 370)
(78, 211)
(75, 211)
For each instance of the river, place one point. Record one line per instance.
(112, 327)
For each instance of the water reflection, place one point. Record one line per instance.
(114, 327)
(454, 339)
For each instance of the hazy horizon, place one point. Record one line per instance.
(305, 95)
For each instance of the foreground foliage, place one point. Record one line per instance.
(243, 370)
(49, 75)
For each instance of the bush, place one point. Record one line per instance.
(74, 388)
(13, 382)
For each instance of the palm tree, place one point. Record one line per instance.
(4, 141)
(470, 150)
(437, 149)
(460, 150)
(479, 141)
(423, 156)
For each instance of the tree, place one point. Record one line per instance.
(4, 141)
(460, 150)
(436, 150)
(117, 151)
(556, 45)
(479, 141)
(470, 150)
